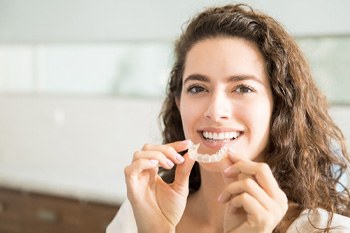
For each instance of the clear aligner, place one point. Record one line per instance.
(206, 158)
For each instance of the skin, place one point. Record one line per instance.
(225, 88)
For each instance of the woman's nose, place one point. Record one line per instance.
(219, 107)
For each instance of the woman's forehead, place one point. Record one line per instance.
(228, 57)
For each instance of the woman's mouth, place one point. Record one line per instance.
(220, 136)
(214, 145)
(213, 140)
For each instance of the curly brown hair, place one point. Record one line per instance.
(303, 137)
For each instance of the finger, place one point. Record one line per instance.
(180, 145)
(134, 173)
(257, 216)
(133, 170)
(236, 153)
(248, 203)
(170, 150)
(232, 158)
(249, 186)
(182, 174)
(242, 176)
(261, 171)
(154, 155)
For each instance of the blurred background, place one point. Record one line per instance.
(81, 85)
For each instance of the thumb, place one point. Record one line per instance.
(182, 175)
(232, 157)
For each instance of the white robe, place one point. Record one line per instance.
(124, 222)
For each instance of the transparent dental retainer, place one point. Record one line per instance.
(206, 158)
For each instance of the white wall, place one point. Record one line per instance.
(110, 20)
(75, 146)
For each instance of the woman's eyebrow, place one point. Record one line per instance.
(196, 77)
(242, 77)
(233, 78)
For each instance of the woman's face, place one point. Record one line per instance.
(226, 96)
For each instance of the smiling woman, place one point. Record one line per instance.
(233, 77)
(241, 86)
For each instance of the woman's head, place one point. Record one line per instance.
(301, 132)
(280, 53)
(226, 98)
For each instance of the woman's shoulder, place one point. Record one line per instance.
(124, 221)
(311, 221)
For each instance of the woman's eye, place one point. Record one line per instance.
(195, 89)
(243, 89)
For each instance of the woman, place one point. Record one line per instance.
(240, 80)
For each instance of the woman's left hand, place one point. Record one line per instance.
(255, 203)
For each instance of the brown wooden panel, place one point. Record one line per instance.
(11, 203)
(38, 213)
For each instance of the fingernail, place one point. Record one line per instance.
(154, 162)
(169, 162)
(221, 198)
(186, 142)
(227, 170)
(179, 158)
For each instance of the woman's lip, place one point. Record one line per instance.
(219, 130)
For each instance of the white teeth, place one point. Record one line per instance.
(235, 134)
(221, 136)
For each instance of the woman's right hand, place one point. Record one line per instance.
(158, 206)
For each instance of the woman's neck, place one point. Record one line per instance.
(204, 203)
